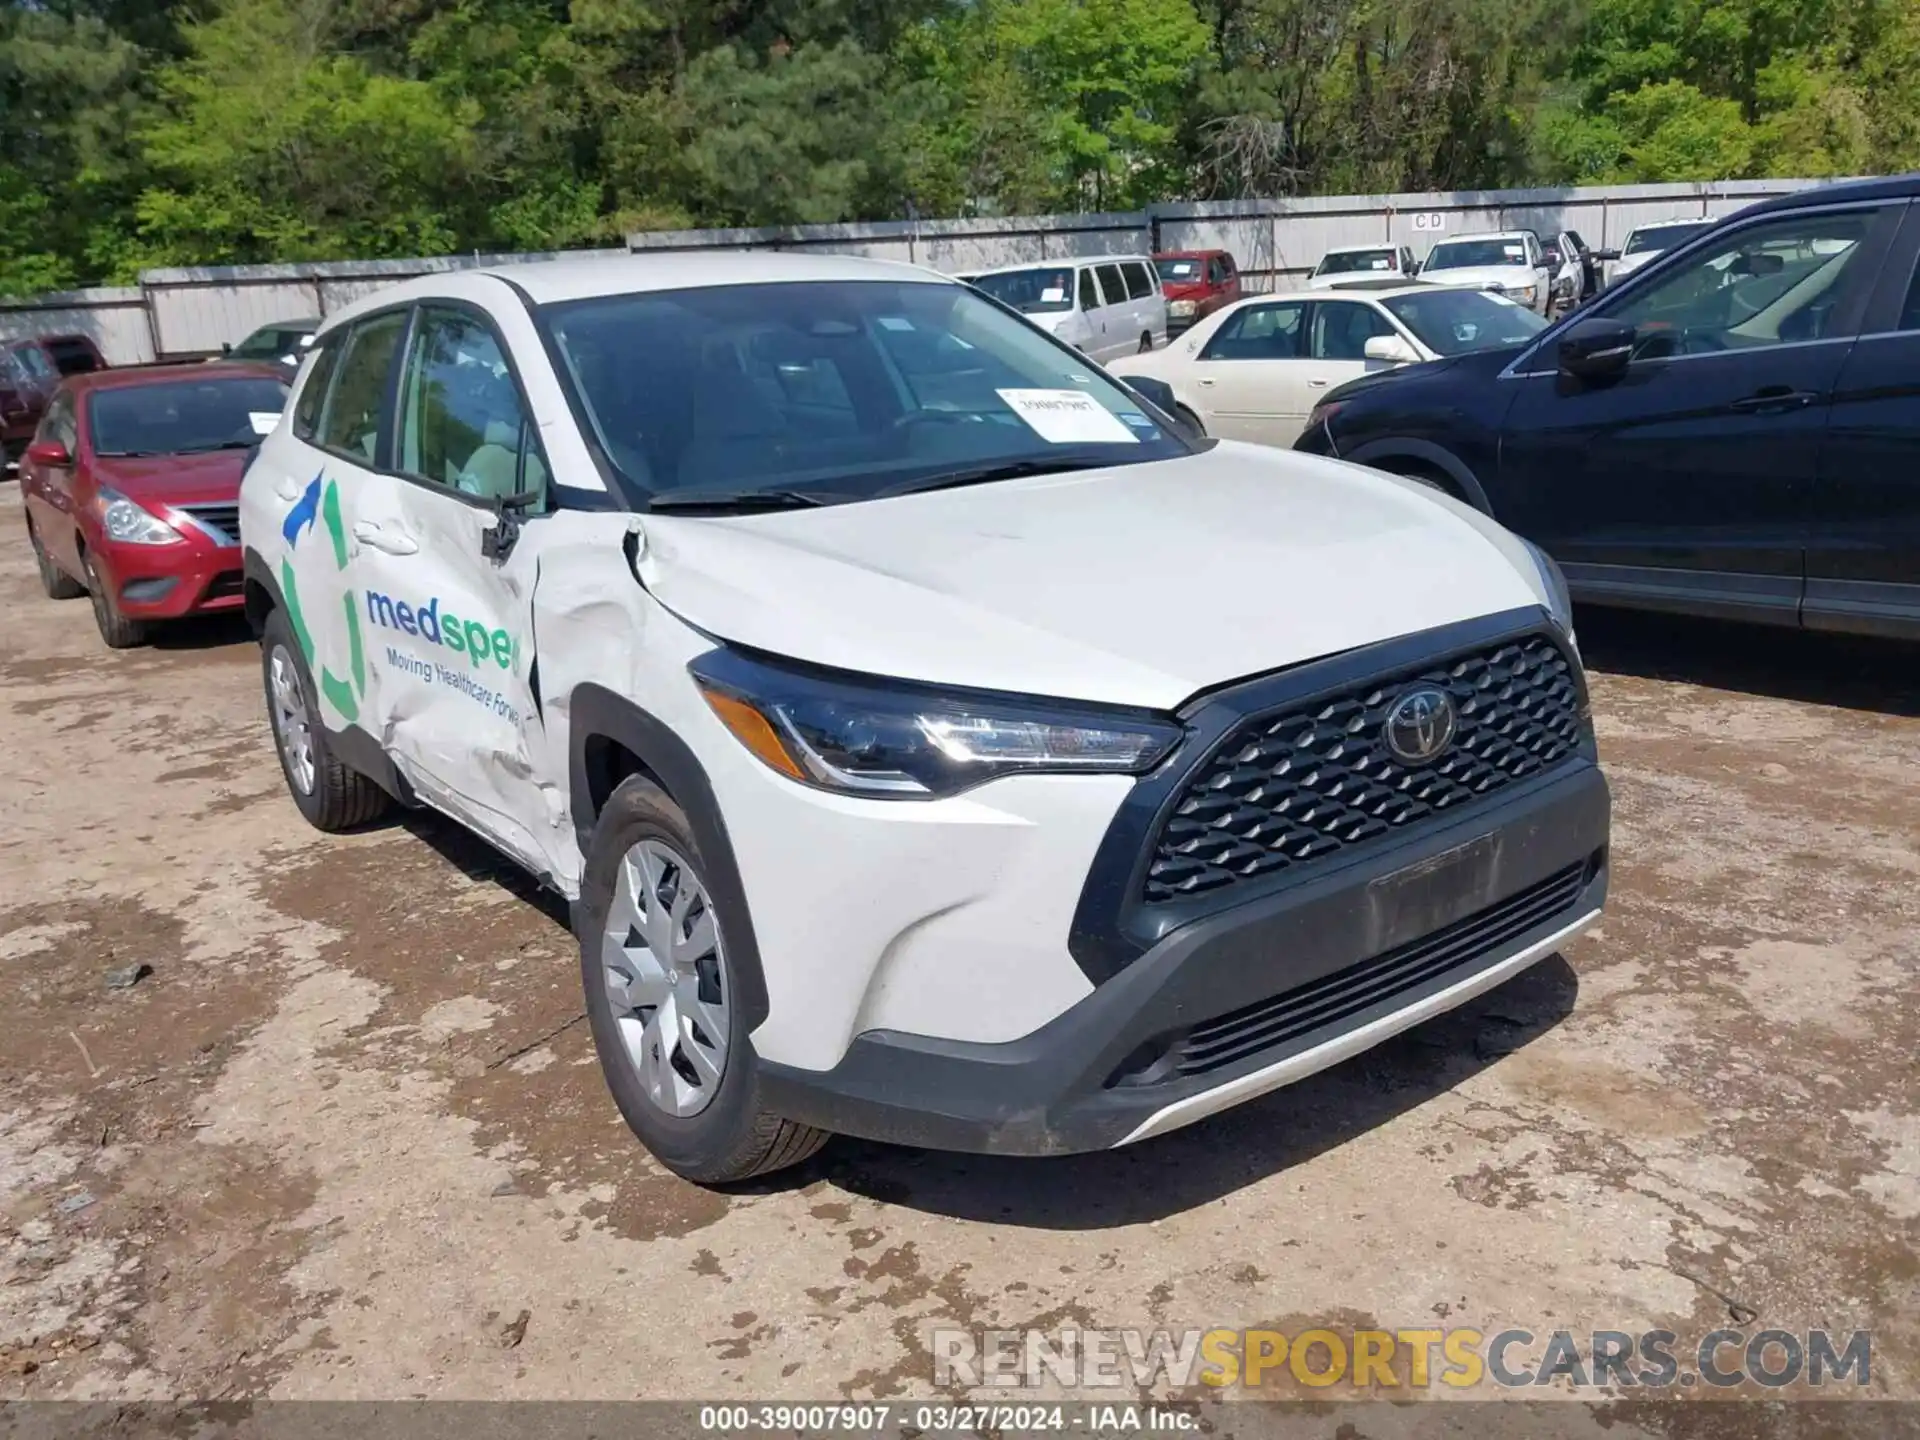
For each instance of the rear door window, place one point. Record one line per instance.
(1139, 281)
(350, 422)
(313, 391)
(1114, 287)
(1089, 291)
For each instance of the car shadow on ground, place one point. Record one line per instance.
(203, 632)
(1850, 671)
(1210, 1160)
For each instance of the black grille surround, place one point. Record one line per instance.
(1272, 1025)
(1314, 778)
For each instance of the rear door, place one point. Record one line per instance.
(1249, 377)
(1687, 481)
(1863, 534)
(1149, 306)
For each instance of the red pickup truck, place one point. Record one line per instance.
(1196, 283)
(29, 370)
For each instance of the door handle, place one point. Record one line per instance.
(1205, 381)
(1774, 400)
(1317, 384)
(390, 542)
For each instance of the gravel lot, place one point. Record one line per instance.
(348, 1138)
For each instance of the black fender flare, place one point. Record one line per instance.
(597, 713)
(254, 570)
(1427, 453)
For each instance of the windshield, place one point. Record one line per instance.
(269, 344)
(1346, 262)
(35, 362)
(1662, 237)
(1455, 322)
(1473, 254)
(1180, 269)
(182, 415)
(1032, 292)
(839, 389)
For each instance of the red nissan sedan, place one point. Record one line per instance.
(132, 489)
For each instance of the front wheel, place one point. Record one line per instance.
(1146, 341)
(332, 795)
(117, 630)
(663, 998)
(55, 582)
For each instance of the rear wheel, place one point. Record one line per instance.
(332, 795)
(1432, 478)
(57, 584)
(1146, 341)
(662, 998)
(117, 630)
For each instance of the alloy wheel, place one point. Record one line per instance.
(291, 727)
(662, 960)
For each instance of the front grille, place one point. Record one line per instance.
(223, 520)
(1268, 1024)
(1315, 779)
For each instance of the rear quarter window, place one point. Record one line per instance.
(313, 390)
(1139, 282)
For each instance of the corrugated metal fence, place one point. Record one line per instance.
(182, 313)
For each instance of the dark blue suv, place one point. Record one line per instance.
(1733, 431)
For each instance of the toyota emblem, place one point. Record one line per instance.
(1420, 725)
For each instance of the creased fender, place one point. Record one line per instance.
(598, 713)
(1439, 457)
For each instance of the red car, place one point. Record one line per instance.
(1196, 283)
(132, 489)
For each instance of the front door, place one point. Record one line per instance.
(1337, 350)
(449, 625)
(1688, 479)
(1863, 538)
(1248, 379)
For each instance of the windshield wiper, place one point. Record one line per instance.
(987, 474)
(681, 501)
(221, 445)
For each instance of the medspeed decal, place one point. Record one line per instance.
(322, 499)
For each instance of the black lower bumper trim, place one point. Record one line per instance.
(1237, 991)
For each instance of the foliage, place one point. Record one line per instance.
(142, 132)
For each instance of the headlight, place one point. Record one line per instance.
(1180, 307)
(129, 524)
(1559, 599)
(860, 736)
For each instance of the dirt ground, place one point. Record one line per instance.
(348, 1138)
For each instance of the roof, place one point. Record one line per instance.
(1487, 235)
(1363, 249)
(1189, 254)
(1061, 262)
(1891, 187)
(129, 376)
(1376, 289)
(1399, 284)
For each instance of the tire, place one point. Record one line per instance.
(1431, 479)
(333, 796)
(707, 1128)
(57, 584)
(117, 630)
(1146, 341)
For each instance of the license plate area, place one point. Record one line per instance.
(1432, 893)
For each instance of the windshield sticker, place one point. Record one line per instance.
(1067, 417)
(1053, 295)
(1514, 252)
(263, 421)
(895, 322)
(1499, 299)
(1137, 420)
(1380, 262)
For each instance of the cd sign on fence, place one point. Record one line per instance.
(1429, 220)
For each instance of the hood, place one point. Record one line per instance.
(1187, 289)
(1627, 264)
(1140, 585)
(1484, 275)
(175, 479)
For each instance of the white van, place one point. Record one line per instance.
(1104, 307)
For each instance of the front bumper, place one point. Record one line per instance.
(1247, 999)
(168, 582)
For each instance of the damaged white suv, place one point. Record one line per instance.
(935, 744)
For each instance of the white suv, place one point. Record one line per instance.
(935, 745)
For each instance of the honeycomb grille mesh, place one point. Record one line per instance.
(1300, 784)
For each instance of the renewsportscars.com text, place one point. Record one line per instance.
(1458, 1358)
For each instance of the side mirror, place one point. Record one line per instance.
(226, 347)
(1552, 257)
(49, 452)
(1596, 349)
(1413, 267)
(1392, 350)
(1604, 257)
